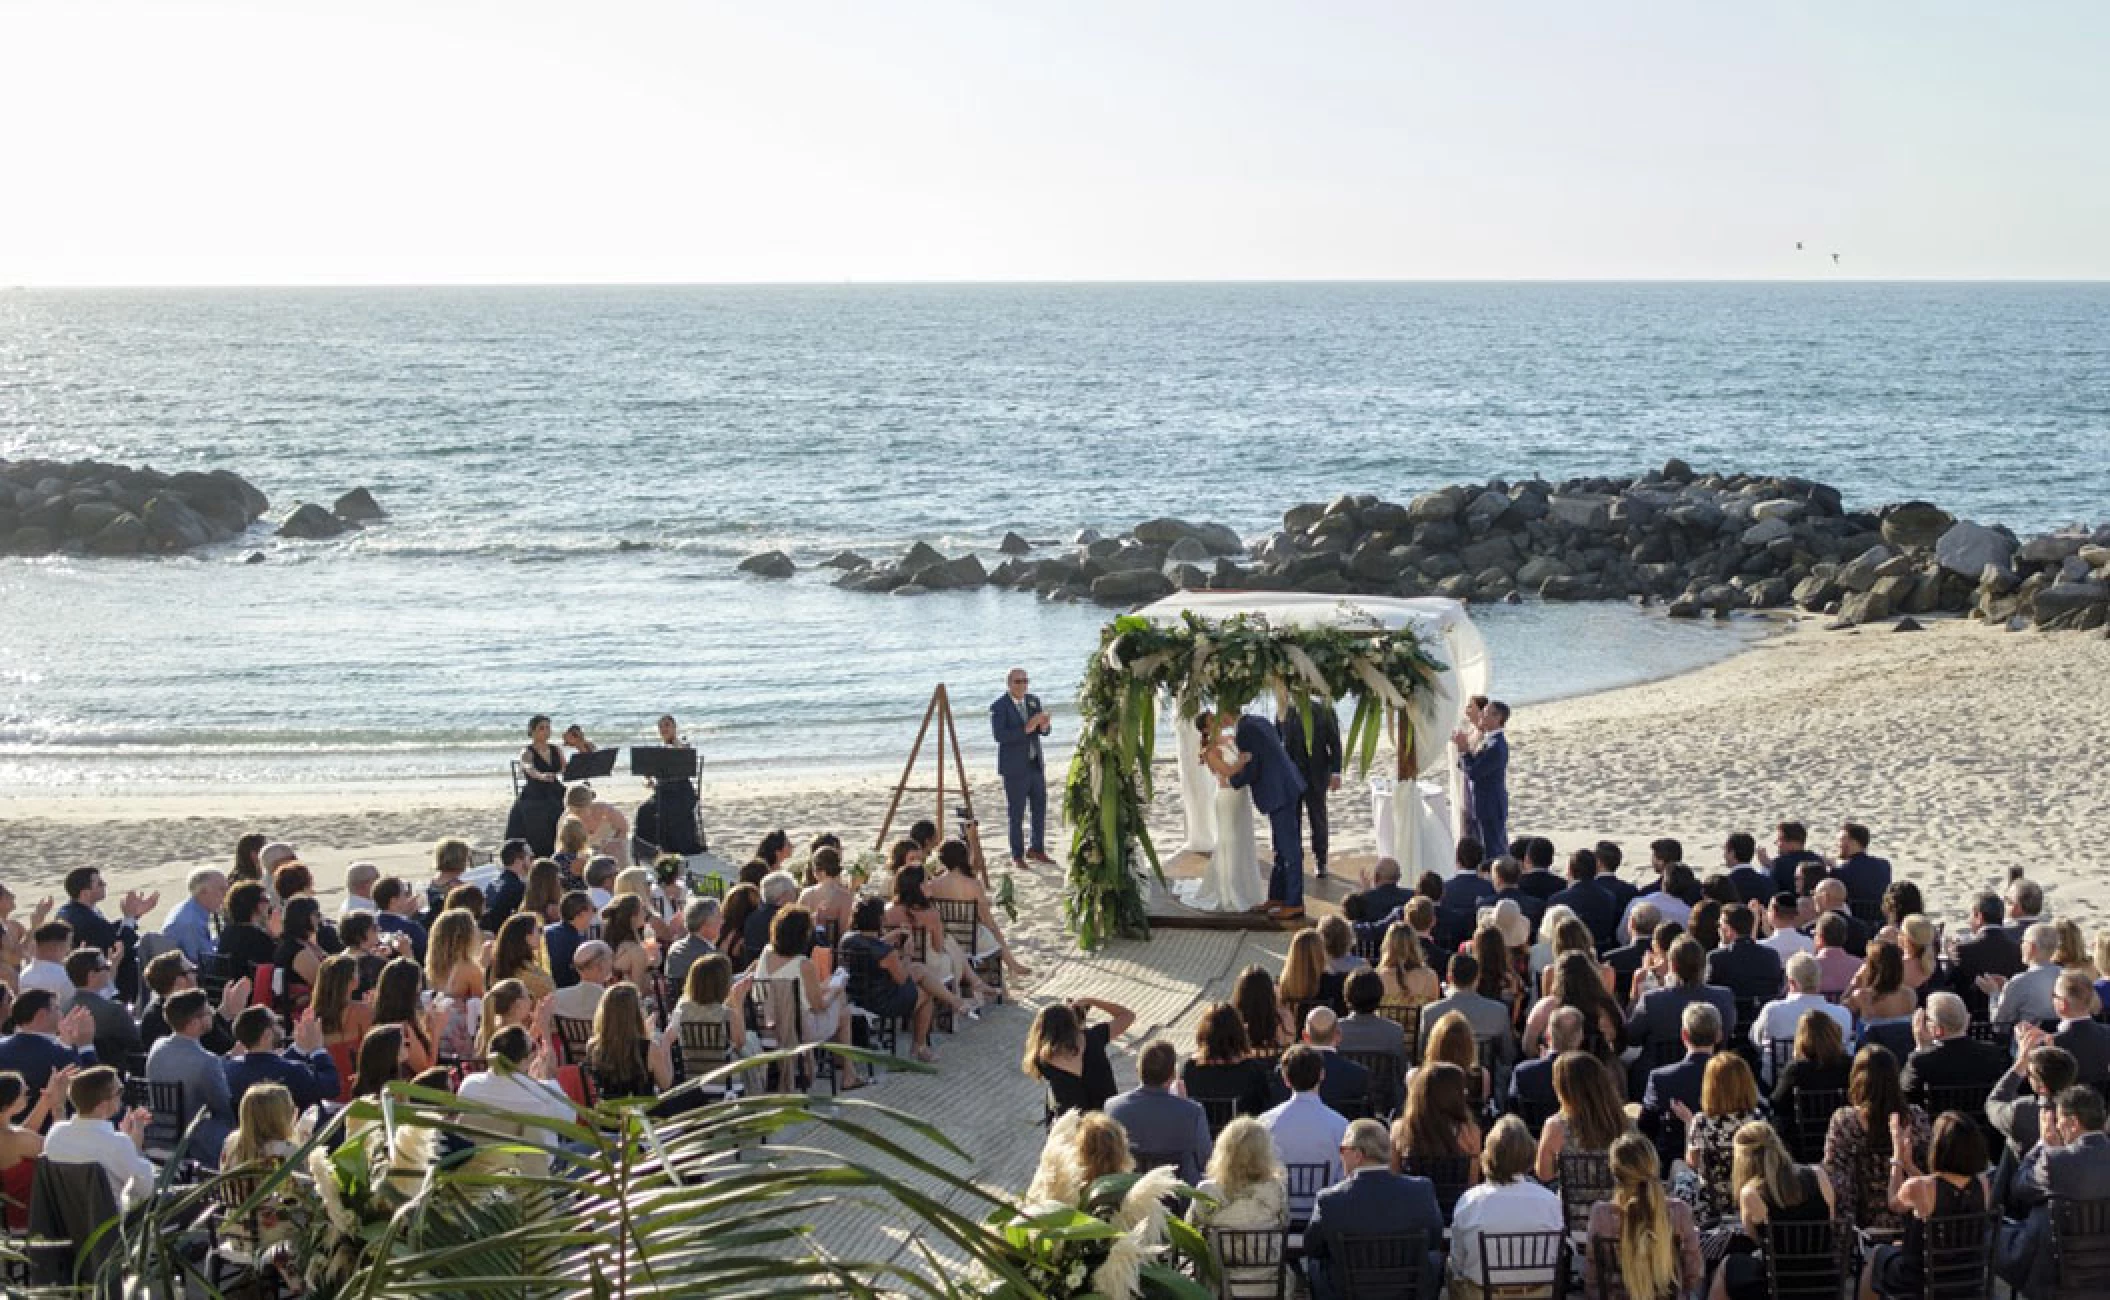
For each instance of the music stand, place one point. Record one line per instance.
(663, 762)
(588, 767)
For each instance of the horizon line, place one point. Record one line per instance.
(1041, 282)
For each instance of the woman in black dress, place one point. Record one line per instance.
(1955, 1184)
(1069, 1057)
(541, 799)
(1770, 1188)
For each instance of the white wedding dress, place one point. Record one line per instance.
(1232, 881)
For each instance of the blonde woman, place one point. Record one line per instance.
(574, 845)
(263, 1139)
(2073, 949)
(607, 831)
(506, 1005)
(1303, 971)
(1082, 1146)
(1400, 964)
(662, 908)
(1245, 1180)
(1770, 1188)
(1916, 940)
(1658, 1247)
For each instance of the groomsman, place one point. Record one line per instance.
(1487, 768)
(1018, 723)
(1320, 765)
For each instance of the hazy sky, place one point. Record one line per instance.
(165, 142)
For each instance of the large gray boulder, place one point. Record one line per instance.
(954, 575)
(311, 523)
(174, 526)
(1130, 587)
(920, 557)
(845, 560)
(1767, 531)
(91, 517)
(125, 535)
(1013, 544)
(2063, 599)
(1187, 550)
(2050, 549)
(1585, 510)
(358, 507)
(769, 564)
(1966, 548)
(1915, 525)
(1430, 507)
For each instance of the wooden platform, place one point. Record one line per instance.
(1322, 898)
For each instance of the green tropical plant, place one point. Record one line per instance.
(1225, 664)
(418, 1194)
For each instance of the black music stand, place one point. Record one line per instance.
(589, 767)
(672, 769)
(663, 762)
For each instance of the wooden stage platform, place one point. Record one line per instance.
(1322, 898)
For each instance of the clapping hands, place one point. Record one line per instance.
(136, 904)
(77, 1029)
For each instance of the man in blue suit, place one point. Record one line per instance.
(1487, 767)
(1701, 1029)
(42, 1042)
(1018, 723)
(1864, 875)
(1371, 1201)
(1265, 771)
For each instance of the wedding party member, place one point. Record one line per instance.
(1231, 881)
(1487, 768)
(1264, 770)
(1320, 763)
(1019, 724)
(541, 799)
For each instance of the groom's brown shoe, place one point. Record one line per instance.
(1287, 913)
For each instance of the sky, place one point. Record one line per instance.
(156, 142)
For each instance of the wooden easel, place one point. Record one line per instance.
(948, 735)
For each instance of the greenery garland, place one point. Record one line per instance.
(1224, 664)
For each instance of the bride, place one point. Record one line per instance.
(1232, 881)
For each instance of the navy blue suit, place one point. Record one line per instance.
(1278, 791)
(1371, 1202)
(1679, 1081)
(310, 1081)
(1865, 877)
(1024, 769)
(1751, 884)
(1785, 866)
(1594, 906)
(1532, 1082)
(35, 1057)
(1464, 894)
(1488, 769)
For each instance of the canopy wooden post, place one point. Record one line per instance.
(1403, 742)
(940, 710)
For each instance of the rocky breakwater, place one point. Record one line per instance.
(1696, 543)
(89, 507)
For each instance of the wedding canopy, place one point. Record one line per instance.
(1408, 666)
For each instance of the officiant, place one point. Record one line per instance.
(1320, 764)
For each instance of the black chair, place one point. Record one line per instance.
(216, 971)
(963, 925)
(706, 1045)
(1250, 1264)
(1959, 1258)
(773, 1006)
(1409, 1021)
(2080, 1248)
(239, 1262)
(866, 977)
(1149, 1160)
(574, 1033)
(1387, 1092)
(1779, 1052)
(1586, 1179)
(1806, 1261)
(1385, 1266)
(1605, 1252)
(1369, 943)
(1968, 1098)
(1747, 1010)
(1523, 1264)
(167, 1117)
(1985, 1031)
(1533, 1111)
(1220, 1112)
(1812, 1120)
(1304, 1182)
(1450, 1175)
(67, 1203)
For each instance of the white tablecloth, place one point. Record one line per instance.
(1424, 807)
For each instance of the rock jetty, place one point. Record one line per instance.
(90, 507)
(1696, 543)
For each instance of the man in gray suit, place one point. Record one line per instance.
(181, 1058)
(2047, 1071)
(1160, 1123)
(1488, 1017)
(2027, 997)
(2071, 1164)
(116, 1034)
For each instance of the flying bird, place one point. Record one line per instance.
(1798, 245)
(1835, 259)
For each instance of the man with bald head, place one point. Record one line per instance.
(1019, 725)
(1830, 898)
(1346, 1087)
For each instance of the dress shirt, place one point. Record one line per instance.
(1836, 969)
(189, 927)
(1780, 1018)
(98, 1142)
(47, 975)
(1668, 908)
(1789, 943)
(1307, 1132)
(1518, 1206)
(527, 1098)
(354, 903)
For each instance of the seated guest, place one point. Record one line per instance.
(706, 991)
(517, 1083)
(1836, 967)
(182, 1059)
(1916, 940)
(1437, 1123)
(1578, 986)
(1657, 1020)
(1783, 937)
(823, 1005)
(1592, 904)
(1465, 892)
(1305, 1130)
(1791, 852)
(51, 943)
(624, 1059)
(1371, 1200)
(1531, 1083)
(298, 957)
(1590, 1118)
(1947, 1057)
(1347, 1086)
(1381, 895)
(1338, 938)
(1609, 858)
(190, 923)
(94, 975)
(1507, 874)
(42, 1042)
(2047, 1071)
(882, 980)
(1857, 1146)
(1450, 1039)
(1751, 884)
(1404, 971)
(1269, 1026)
(305, 1070)
(1674, 901)
(561, 941)
(1750, 971)
(1681, 1084)
(359, 881)
(1503, 1201)
(1304, 977)
(516, 954)
(384, 1058)
(1781, 1020)
(592, 965)
(396, 912)
(1879, 994)
(96, 1136)
(85, 891)
(399, 1000)
(1223, 1068)
(1159, 1121)
(2073, 1164)
(1663, 855)
(1363, 1029)
(2074, 1002)
(2027, 996)
(1770, 1188)
(450, 862)
(369, 947)
(1539, 879)
(1488, 1018)
(1829, 897)
(1244, 1181)
(700, 922)
(344, 1018)
(21, 1141)
(1819, 1063)
(1658, 1246)
(1626, 960)
(1082, 1146)
(1990, 950)
(1954, 1184)
(1069, 1056)
(171, 973)
(1728, 1101)
(1864, 875)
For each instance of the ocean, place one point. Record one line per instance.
(572, 474)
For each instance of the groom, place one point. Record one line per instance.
(1265, 771)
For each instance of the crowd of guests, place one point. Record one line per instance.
(253, 1012)
(1663, 1072)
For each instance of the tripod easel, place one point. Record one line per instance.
(940, 710)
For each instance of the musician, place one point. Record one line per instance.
(541, 799)
(666, 822)
(575, 740)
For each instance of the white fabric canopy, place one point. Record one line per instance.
(1449, 636)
